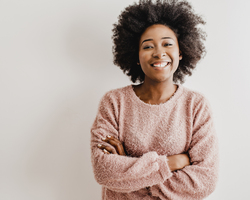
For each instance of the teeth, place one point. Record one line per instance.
(163, 64)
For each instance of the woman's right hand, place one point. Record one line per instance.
(178, 161)
(117, 144)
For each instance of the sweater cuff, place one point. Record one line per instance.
(164, 168)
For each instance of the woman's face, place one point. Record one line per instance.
(159, 53)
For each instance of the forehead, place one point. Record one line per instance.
(158, 31)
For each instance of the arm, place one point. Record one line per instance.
(122, 173)
(175, 162)
(199, 179)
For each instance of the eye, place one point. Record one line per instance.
(147, 47)
(167, 44)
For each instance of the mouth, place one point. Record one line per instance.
(161, 64)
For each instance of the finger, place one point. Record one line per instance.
(113, 141)
(109, 138)
(119, 148)
(113, 138)
(105, 151)
(107, 148)
(116, 143)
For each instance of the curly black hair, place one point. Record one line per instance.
(177, 15)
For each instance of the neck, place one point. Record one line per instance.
(156, 92)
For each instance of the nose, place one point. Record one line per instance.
(159, 53)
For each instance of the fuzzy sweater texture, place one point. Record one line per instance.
(149, 134)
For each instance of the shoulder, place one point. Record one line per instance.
(116, 96)
(118, 92)
(195, 101)
(194, 96)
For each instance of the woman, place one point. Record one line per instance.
(156, 140)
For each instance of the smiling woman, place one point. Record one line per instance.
(159, 56)
(156, 139)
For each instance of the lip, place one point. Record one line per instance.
(160, 61)
(166, 64)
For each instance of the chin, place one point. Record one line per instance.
(161, 80)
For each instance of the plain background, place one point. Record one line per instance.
(56, 64)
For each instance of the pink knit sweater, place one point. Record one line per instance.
(150, 133)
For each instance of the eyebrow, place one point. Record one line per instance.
(152, 39)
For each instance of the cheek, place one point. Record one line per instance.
(175, 56)
(141, 57)
(144, 56)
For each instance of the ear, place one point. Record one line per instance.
(180, 55)
(138, 62)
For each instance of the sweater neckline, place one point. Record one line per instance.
(171, 101)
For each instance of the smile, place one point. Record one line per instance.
(160, 64)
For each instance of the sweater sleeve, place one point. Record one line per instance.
(122, 173)
(197, 180)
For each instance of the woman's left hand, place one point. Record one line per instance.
(117, 144)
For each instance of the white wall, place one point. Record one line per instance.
(56, 63)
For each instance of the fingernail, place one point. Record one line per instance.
(103, 138)
(99, 145)
(108, 136)
(105, 150)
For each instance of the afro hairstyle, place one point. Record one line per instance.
(178, 15)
